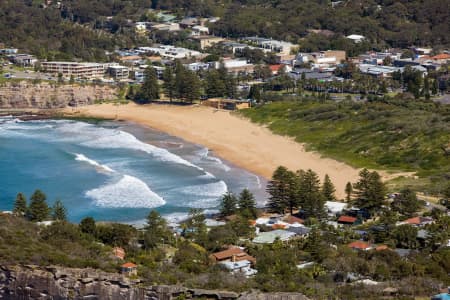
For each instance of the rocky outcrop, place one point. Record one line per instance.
(57, 283)
(26, 94)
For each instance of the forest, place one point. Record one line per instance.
(86, 29)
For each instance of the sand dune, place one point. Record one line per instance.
(235, 139)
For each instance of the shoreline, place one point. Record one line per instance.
(237, 140)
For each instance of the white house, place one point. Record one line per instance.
(356, 38)
(242, 266)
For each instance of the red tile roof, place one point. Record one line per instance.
(413, 221)
(129, 265)
(359, 245)
(233, 253)
(347, 219)
(275, 68)
(441, 56)
(382, 247)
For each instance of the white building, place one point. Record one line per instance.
(119, 72)
(356, 38)
(75, 69)
(171, 52)
(199, 30)
(242, 266)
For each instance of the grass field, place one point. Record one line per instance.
(398, 136)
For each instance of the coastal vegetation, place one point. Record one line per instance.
(184, 258)
(385, 133)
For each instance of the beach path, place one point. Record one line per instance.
(241, 142)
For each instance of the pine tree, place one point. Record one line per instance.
(192, 86)
(214, 84)
(281, 189)
(150, 88)
(20, 205)
(369, 191)
(348, 191)
(311, 198)
(328, 189)
(38, 210)
(169, 83)
(247, 204)
(156, 229)
(59, 211)
(406, 202)
(228, 205)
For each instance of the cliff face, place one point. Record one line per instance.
(57, 283)
(25, 94)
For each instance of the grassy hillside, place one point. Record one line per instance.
(393, 135)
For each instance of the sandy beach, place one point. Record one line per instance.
(235, 139)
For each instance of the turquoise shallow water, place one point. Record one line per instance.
(113, 171)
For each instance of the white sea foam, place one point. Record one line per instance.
(129, 191)
(105, 138)
(213, 189)
(219, 162)
(98, 166)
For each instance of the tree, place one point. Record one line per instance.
(369, 191)
(255, 93)
(39, 209)
(328, 189)
(150, 88)
(348, 191)
(59, 211)
(169, 83)
(195, 227)
(228, 205)
(156, 230)
(406, 202)
(310, 197)
(406, 236)
(247, 204)
(20, 205)
(87, 225)
(281, 189)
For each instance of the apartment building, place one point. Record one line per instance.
(75, 69)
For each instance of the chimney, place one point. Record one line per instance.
(233, 258)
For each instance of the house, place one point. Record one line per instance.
(206, 41)
(441, 58)
(360, 245)
(233, 254)
(301, 231)
(417, 221)
(119, 72)
(228, 104)
(334, 207)
(236, 66)
(24, 60)
(270, 236)
(347, 220)
(118, 253)
(199, 30)
(165, 27)
(188, 22)
(276, 68)
(356, 38)
(236, 267)
(403, 252)
(129, 269)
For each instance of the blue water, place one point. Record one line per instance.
(114, 171)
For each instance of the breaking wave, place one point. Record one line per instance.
(98, 166)
(129, 192)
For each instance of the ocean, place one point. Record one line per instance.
(114, 171)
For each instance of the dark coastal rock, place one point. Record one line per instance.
(57, 283)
